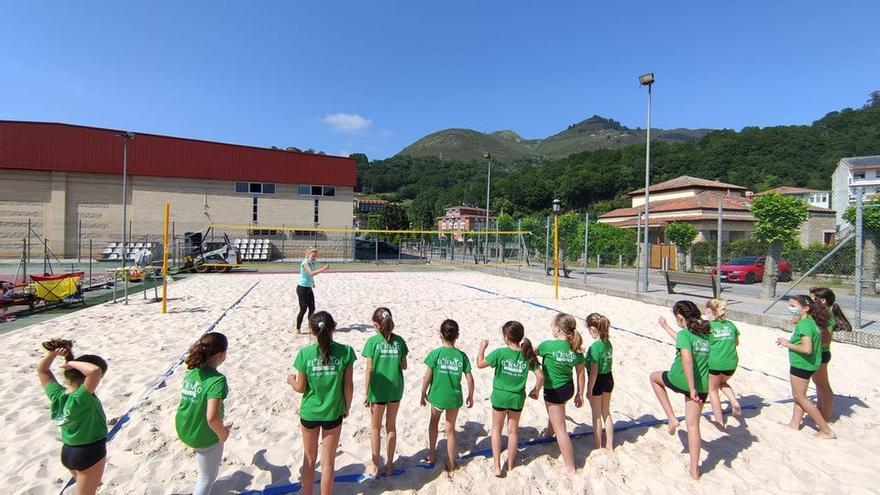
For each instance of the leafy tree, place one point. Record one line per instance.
(612, 241)
(873, 100)
(535, 241)
(777, 220)
(361, 158)
(870, 230)
(505, 222)
(682, 235)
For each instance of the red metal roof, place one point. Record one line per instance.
(75, 148)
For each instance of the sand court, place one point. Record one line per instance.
(265, 448)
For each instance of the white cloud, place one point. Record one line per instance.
(347, 122)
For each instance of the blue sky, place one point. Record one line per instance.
(373, 76)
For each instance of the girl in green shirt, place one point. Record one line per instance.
(512, 365)
(601, 384)
(383, 384)
(559, 357)
(324, 377)
(805, 356)
(199, 419)
(446, 365)
(837, 322)
(77, 410)
(688, 375)
(723, 359)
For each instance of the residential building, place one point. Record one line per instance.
(460, 219)
(860, 171)
(813, 197)
(67, 181)
(363, 208)
(695, 201)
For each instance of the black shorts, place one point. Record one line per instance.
(727, 373)
(604, 384)
(801, 373)
(324, 425)
(503, 409)
(702, 395)
(384, 403)
(826, 357)
(559, 395)
(82, 457)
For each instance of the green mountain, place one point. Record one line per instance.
(591, 134)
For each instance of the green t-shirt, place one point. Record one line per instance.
(386, 380)
(557, 362)
(191, 422)
(79, 414)
(826, 344)
(810, 362)
(447, 365)
(511, 373)
(324, 398)
(306, 279)
(600, 353)
(699, 347)
(722, 355)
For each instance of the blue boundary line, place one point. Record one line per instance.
(160, 382)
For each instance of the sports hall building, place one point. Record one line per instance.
(67, 180)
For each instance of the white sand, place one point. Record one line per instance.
(265, 446)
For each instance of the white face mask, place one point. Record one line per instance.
(793, 311)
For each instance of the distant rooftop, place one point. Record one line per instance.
(688, 182)
(790, 190)
(862, 161)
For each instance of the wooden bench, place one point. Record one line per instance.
(674, 278)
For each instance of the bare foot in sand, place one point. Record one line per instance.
(566, 471)
(450, 467)
(389, 469)
(497, 472)
(737, 410)
(695, 474)
(372, 471)
(548, 432)
(672, 426)
(825, 436)
(793, 427)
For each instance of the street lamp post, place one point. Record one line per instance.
(488, 189)
(556, 205)
(126, 137)
(647, 80)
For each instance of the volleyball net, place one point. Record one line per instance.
(268, 243)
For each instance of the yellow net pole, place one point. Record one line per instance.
(165, 262)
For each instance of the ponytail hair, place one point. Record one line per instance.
(514, 332)
(601, 324)
(842, 323)
(382, 317)
(208, 346)
(323, 325)
(719, 307)
(568, 326)
(817, 311)
(311, 250)
(449, 331)
(693, 319)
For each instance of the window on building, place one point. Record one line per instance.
(316, 211)
(858, 175)
(255, 187)
(262, 232)
(305, 190)
(329, 191)
(255, 218)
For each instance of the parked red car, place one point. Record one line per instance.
(750, 269)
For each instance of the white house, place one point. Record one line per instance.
(860, 171)
(813, 197)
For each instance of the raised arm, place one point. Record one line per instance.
(671, 331)
(44, 372)
(481, 355)
(91, 371)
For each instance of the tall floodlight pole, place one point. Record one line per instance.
(126, 137)
(647, 80)
(488, 190)
(556, 207)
